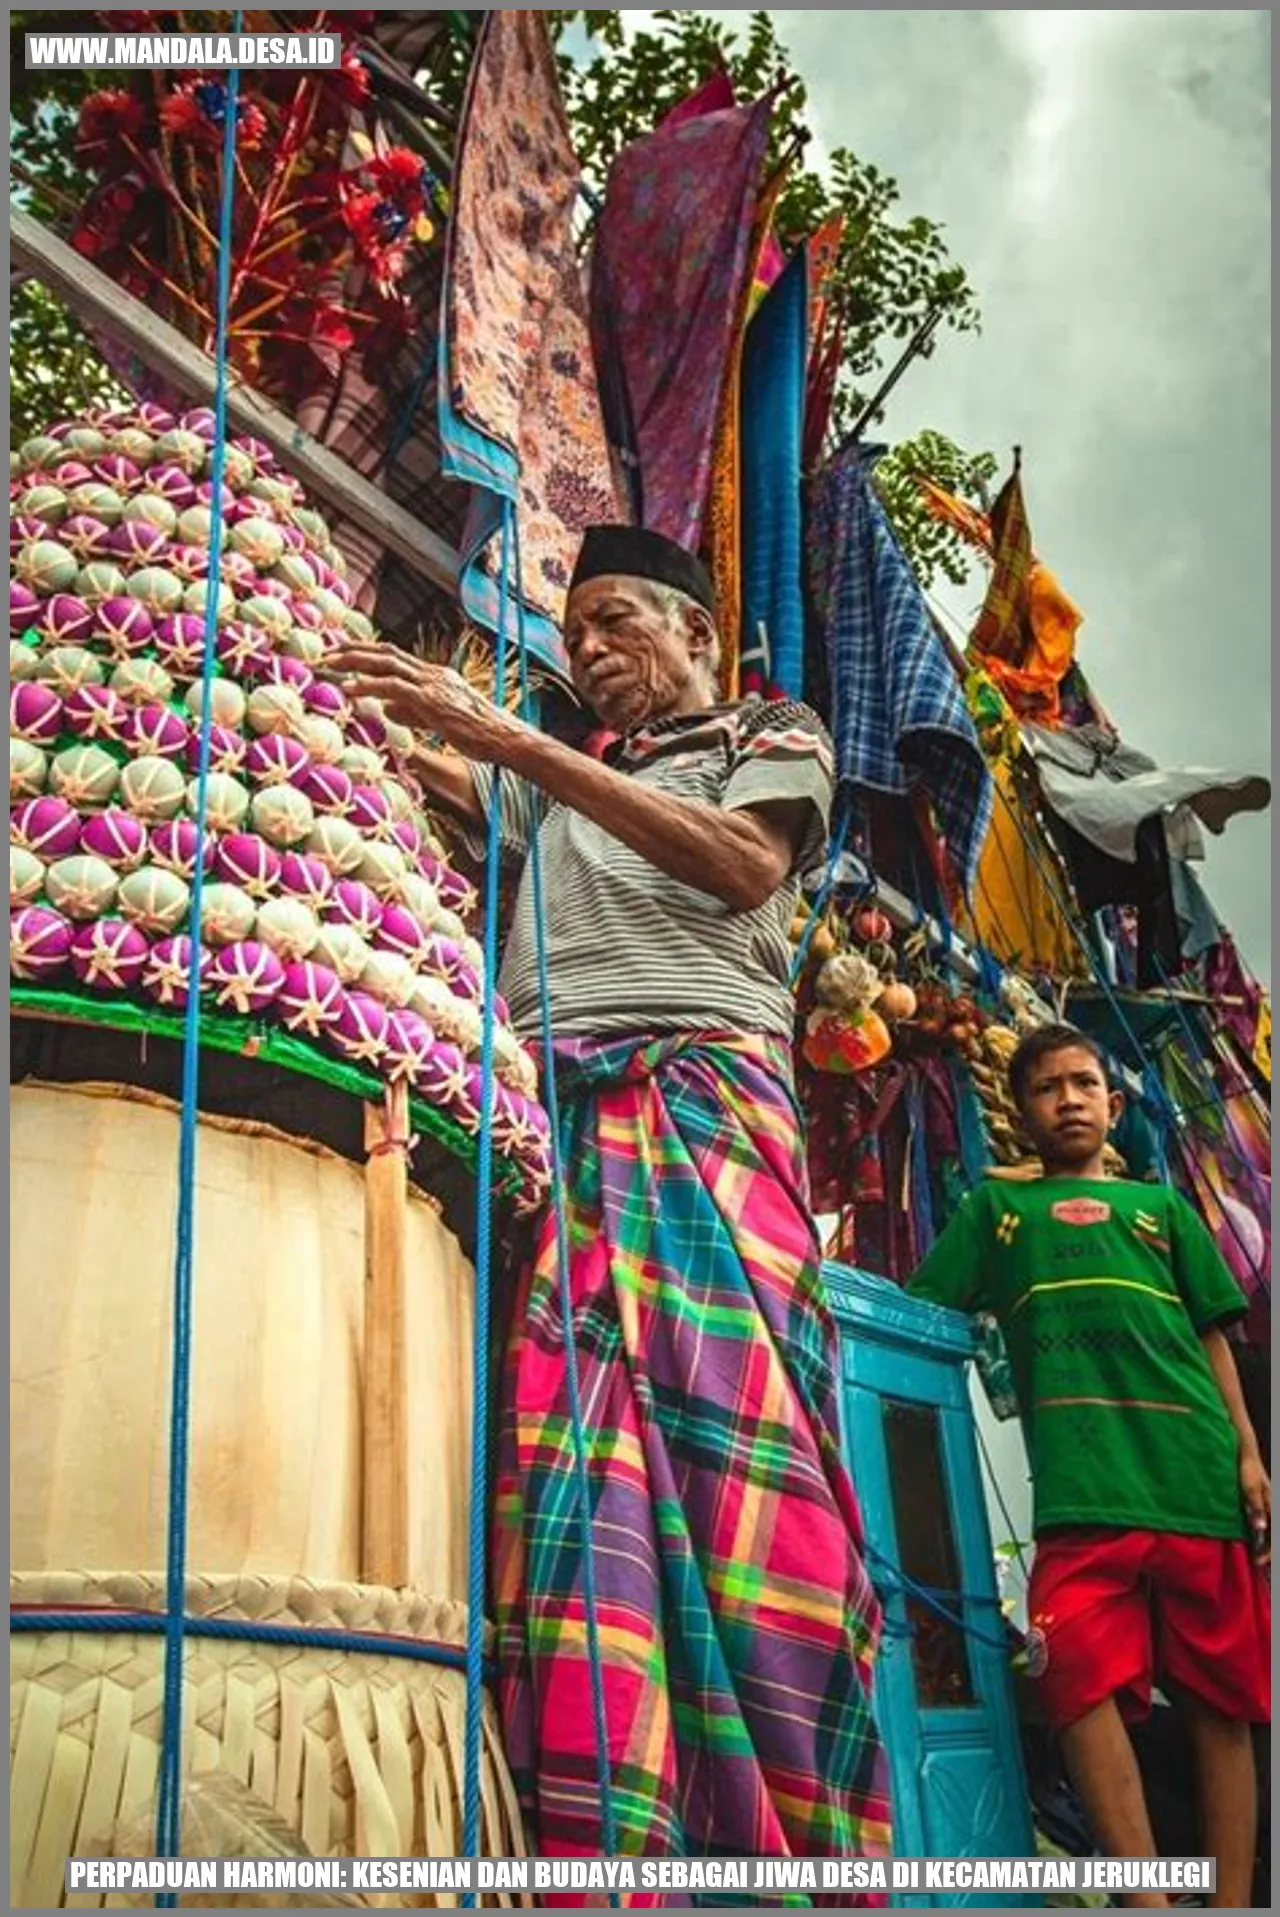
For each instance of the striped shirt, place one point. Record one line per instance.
(630, 950)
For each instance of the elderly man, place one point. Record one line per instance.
(737, 1622)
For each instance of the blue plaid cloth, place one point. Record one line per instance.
(898, 715)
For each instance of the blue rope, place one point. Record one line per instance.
(990, 972)
(604, 1768)
(897, 1582)
(839, 833)
(239, 1630)
(484, 1265)
(169, 1807)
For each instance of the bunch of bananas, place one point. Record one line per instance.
(988, 1055)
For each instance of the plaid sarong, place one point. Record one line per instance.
(736, 1616)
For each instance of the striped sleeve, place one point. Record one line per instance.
(520, 813)
(783, 754)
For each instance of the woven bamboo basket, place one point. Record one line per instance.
(328, 1481)
(279, 1470)
(360, 1754)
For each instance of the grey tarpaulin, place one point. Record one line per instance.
(1104, 790)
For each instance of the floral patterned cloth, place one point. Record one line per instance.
(671, 262)
(520, 414)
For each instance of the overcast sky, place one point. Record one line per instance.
(1104, 178)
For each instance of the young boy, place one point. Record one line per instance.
(1152, 1506)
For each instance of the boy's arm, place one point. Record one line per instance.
(1213, 1299)
(1255, 1485)
(951, 1271)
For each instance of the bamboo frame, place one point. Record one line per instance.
(385, 1519)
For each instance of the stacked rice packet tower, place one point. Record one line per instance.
(329, 907)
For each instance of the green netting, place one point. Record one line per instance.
(250, 1037)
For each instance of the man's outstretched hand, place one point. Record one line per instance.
(430, 699)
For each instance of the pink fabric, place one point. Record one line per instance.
(669, 270)
(1227, 981)
(713, 96)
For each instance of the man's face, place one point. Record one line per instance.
(1067, 1108)
(630, 658)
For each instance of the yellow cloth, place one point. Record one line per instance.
(1262, 1040)
(1051, 620)
(1014, 910)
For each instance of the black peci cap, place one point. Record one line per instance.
(636, 552)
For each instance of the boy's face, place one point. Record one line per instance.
(1068, 1109)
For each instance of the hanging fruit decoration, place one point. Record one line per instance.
(821, 941)
(872, 926)
(331, 911)
(897, 1002)
(843, 1033)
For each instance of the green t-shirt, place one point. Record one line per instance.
(1101, 1288)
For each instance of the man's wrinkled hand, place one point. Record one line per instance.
(1255, 1489)
(430, 699)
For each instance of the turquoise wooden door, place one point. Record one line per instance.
(943, 1695)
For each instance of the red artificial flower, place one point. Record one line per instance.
(373, 224)
(251, 126)
(400, 176)
(320, 322)
(182, 115)
(349, 84)
(112, 217)
(331, 329)
(197, 111)
(107, 119)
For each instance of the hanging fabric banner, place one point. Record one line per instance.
(773, 380)
(520, 416)
(899, 717)
(671, 261)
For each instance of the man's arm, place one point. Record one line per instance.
(448, 778)
(740, 857)
(1255, 1485)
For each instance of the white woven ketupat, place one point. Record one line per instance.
(360, 1754)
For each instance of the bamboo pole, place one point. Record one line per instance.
(385, 1476)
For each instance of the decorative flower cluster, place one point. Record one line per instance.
(315, 198)
(327, 902)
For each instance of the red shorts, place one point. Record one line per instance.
(1112, 1612)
